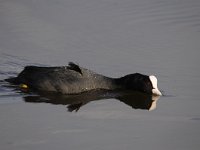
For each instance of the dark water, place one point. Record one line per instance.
(114, 38)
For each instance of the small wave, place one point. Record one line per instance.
(10, 66)
(170, 13)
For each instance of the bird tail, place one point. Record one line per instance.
(12, 80)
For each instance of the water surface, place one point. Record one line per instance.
(113, 38)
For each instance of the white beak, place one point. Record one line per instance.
(154, 82)
(156, 92)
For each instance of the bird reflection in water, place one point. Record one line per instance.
(135, 100)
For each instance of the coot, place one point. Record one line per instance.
(74, 79)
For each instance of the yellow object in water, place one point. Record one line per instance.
(24, 86)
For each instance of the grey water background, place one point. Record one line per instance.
(114, 38)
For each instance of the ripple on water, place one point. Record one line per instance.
(10, 66)
(171, 13)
